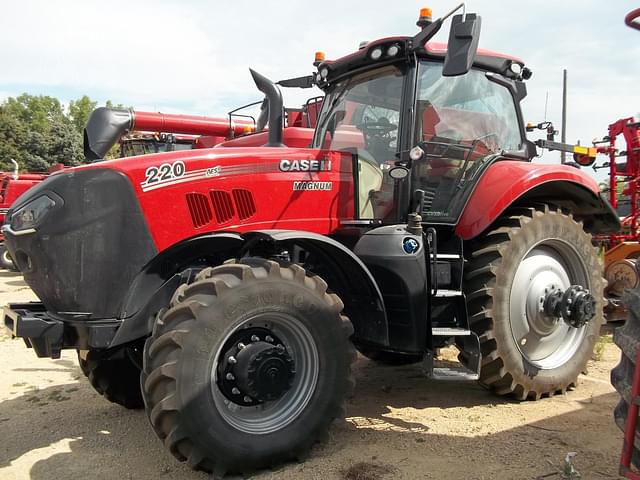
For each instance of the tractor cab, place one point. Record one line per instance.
(419, 118)
(452, 126)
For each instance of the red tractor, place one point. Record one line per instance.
(12, 185)
(228, 289)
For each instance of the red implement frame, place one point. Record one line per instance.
(631, 132)
(629, 128)
(630, 427)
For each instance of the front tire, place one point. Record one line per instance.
(527, 253)
(248, 367)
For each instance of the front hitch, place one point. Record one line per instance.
(576, 306)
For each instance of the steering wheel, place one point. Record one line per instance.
(380, 127)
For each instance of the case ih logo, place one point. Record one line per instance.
(297, 186)
(305, 165)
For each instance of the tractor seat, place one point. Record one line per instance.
(370, 179)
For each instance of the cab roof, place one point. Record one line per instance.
(485, 59)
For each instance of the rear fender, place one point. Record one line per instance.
(511, 183)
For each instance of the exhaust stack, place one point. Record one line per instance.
(275, 106)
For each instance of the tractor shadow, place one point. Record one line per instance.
(10, 274)
(398, 422)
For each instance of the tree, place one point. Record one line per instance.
(79, 111)
(36, 131)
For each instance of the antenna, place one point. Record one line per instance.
(546, 103)
(563, 131)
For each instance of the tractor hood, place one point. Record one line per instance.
(81, 236)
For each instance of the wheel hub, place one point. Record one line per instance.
(576, 306)
(255, 367)
(264, 371)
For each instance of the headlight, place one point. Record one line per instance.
(393, 50)
(376, 53)
(32, 213)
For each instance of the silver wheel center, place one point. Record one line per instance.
(545, 341)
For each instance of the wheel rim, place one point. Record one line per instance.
(544, 341)
(6, 258)
(270, 416)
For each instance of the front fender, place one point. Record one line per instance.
(345, 274)
(507, 183)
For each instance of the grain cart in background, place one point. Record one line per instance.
(141, 133)
(239, 281)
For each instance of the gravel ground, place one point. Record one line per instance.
(399, 425)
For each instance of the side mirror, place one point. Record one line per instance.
(463, 44)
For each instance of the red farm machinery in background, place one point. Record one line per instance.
(151, 132)
(12, 185)
(621, 271)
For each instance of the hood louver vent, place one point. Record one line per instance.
(199, 209)
(245, 205)
(222, 205)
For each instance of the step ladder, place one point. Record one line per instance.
(457, 328)
(470, 344)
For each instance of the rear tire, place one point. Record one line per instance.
(201, 404)
(627, 338)
(114, 375)
(524, 352)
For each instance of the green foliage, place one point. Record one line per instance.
(37, 132)
(79, 111)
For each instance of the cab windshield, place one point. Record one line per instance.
(461, 124)
(361, 114)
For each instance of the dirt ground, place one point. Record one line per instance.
(399, 425)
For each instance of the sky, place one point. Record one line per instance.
(193, 56)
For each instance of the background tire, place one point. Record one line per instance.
(115, 375)
(627, 338)
(187, 355)
(497, 273)
(389, 358)
(5, 259)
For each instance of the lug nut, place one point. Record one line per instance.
(280, 347)
(232, 360)
(255, 338)
(241, 346)
(235, 391)
(269, 338)
(247, 399)
(230, 376)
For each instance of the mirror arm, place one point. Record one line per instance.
(430, 31)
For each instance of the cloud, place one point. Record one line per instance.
(194, 56)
